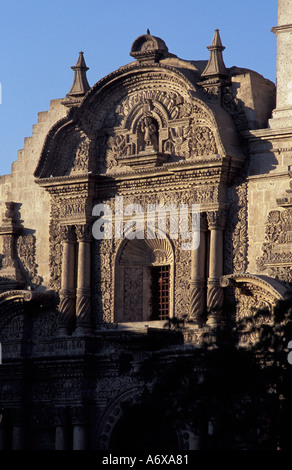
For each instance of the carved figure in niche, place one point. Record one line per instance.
(149, 129)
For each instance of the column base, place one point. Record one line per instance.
(83, 330)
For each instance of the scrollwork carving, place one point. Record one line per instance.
(55, 260)
(277, 255)
(236, 241)
(81, 161)
(26, 252)
(201, 141)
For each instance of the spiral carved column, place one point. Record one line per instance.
(67, 292)
(215, 298)
(198, 282)
(83, 302)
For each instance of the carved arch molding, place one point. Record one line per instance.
(137, 113)
(129, 398)
(255, 297)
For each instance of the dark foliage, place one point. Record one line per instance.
(233, 394)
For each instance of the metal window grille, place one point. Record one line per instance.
(160, 292)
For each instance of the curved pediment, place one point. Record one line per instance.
(272, 289)
(134, 113)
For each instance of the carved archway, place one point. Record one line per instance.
(255, 299)
(113, 413)
(134, 262)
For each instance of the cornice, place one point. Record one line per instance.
(65, 180)
(267, 134)
(281, 28)
(183, 166)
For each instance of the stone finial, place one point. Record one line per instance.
(148, 48)
(215, 66)
(80, 84)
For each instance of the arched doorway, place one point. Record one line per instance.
(144, 429)
(144, 280)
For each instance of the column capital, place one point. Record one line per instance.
(60, 416)
(78, 415)
(84, 232)
(217, 219)
(203, 221)
(67, 233)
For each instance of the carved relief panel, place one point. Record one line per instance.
(277, 256)
(133, 300)
(155, 122)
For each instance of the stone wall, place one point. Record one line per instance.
(34, 205)
(268, 181)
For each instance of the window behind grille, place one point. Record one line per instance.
(160, 292)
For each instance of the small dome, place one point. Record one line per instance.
(148, 48)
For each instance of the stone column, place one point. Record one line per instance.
(198, 276)
(67, 292)
(17, 430)
(79, 429)
(83, 303)
(61, 433)
(216, 223)
(282, 115)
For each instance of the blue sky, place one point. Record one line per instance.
(40, 41)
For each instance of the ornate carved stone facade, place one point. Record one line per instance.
(156, 150)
